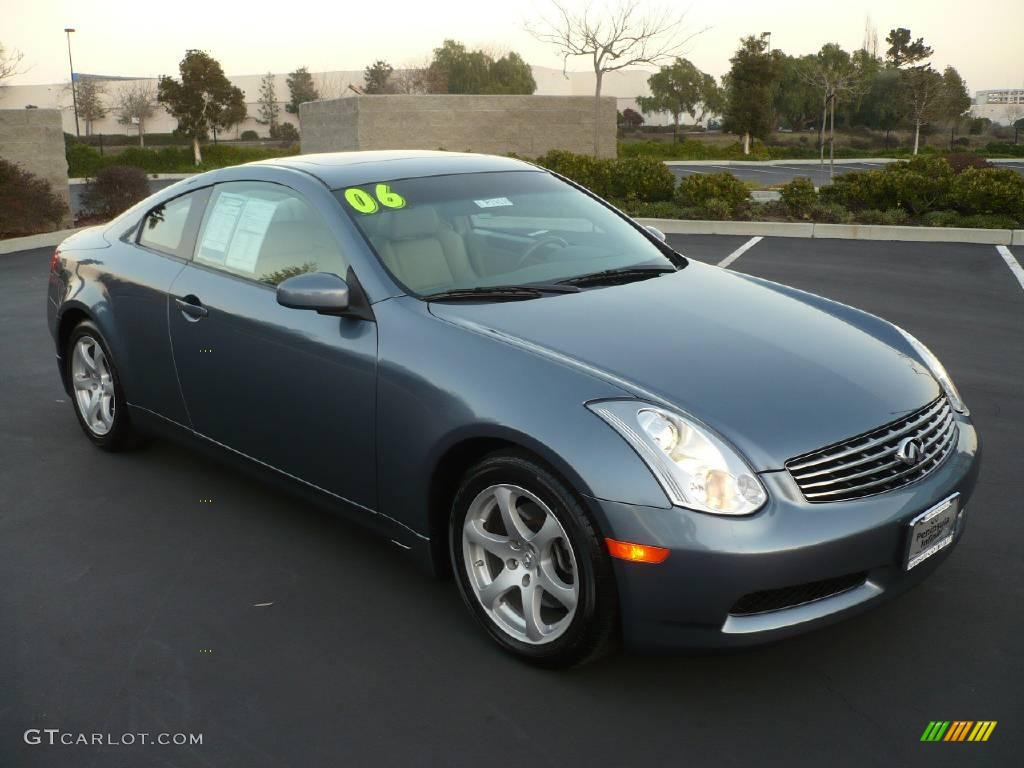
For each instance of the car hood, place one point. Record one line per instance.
(775, 371)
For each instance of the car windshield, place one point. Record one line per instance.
(473, 231)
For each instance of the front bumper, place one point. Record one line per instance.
(686, 601)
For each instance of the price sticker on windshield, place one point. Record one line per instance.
(365, 203)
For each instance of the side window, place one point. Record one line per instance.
(266, 232)
(164, 226)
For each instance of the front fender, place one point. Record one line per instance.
(441, 385)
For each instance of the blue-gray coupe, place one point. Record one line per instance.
(512, 380)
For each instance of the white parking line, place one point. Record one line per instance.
(1012, 263)
(741, 250)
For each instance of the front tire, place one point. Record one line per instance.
(530, 564)
(96, 393)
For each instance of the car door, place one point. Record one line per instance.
(290, 388)
(141, 267)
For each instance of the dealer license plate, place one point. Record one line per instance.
(932, 531)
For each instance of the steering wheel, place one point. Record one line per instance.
(544, 242)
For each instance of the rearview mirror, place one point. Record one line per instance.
(320, 291)
(656, 232)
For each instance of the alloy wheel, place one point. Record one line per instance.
(520, 563)
(93, 385)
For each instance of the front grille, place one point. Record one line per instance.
(788, 597)
(867, 464)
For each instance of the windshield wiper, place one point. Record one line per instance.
(620, 275)
(501, 292)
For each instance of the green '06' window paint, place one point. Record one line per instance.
(363, 202)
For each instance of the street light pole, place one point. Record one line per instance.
(74, 95)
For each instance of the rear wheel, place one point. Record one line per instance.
(96, 390)
(530, 565)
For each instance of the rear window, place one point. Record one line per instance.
(164, 226)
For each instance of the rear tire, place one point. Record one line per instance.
(96, 393)
(544, 590)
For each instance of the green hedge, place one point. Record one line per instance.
(717, 193)
(799, 196)
(645, 179)
(694, 149)
(84, 161)
(924, 185)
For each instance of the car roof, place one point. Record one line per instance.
(342, 169)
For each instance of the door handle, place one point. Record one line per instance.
(192, 308)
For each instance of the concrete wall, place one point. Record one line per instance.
(526, 125)
(33, 139)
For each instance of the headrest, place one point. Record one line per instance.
(421, 221)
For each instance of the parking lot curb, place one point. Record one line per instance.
(12, 244)
(702, 227)
(838, 231)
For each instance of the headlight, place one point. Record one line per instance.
(938, 370)
(696, 468)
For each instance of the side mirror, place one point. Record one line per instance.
(320, 291)
(656, 232)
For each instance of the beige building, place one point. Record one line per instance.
(624, 85)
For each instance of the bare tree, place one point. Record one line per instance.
(89, 93)
(332, 85)
(10, 63)
(832, 72)
(1014, 112)
(624, 35)
(413, 77)
(135, 103)
(924, 90)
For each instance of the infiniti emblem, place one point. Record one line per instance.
(909, 451)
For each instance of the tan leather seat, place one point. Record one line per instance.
(297, 240)
(423, 251)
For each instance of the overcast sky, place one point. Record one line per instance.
(982, 38)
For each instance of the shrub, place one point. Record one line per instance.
(655, 210)
(250, 135)
(895, 217)
(642, 178)
(115, 189)
(961, 161)
(716, 208)
(799, 195)
(830, 213)
(870, 216)
(998, 191)
(83, 160)
(697, 190)
(27, 204)
(990, 221)
(917, 186)
(942, 219)
(961, 141)
(593, 173)
(284, 132)
(1006, 150)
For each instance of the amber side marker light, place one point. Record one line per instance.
(636, 553)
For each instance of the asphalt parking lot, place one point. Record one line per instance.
(127, 604)
(769, 175)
